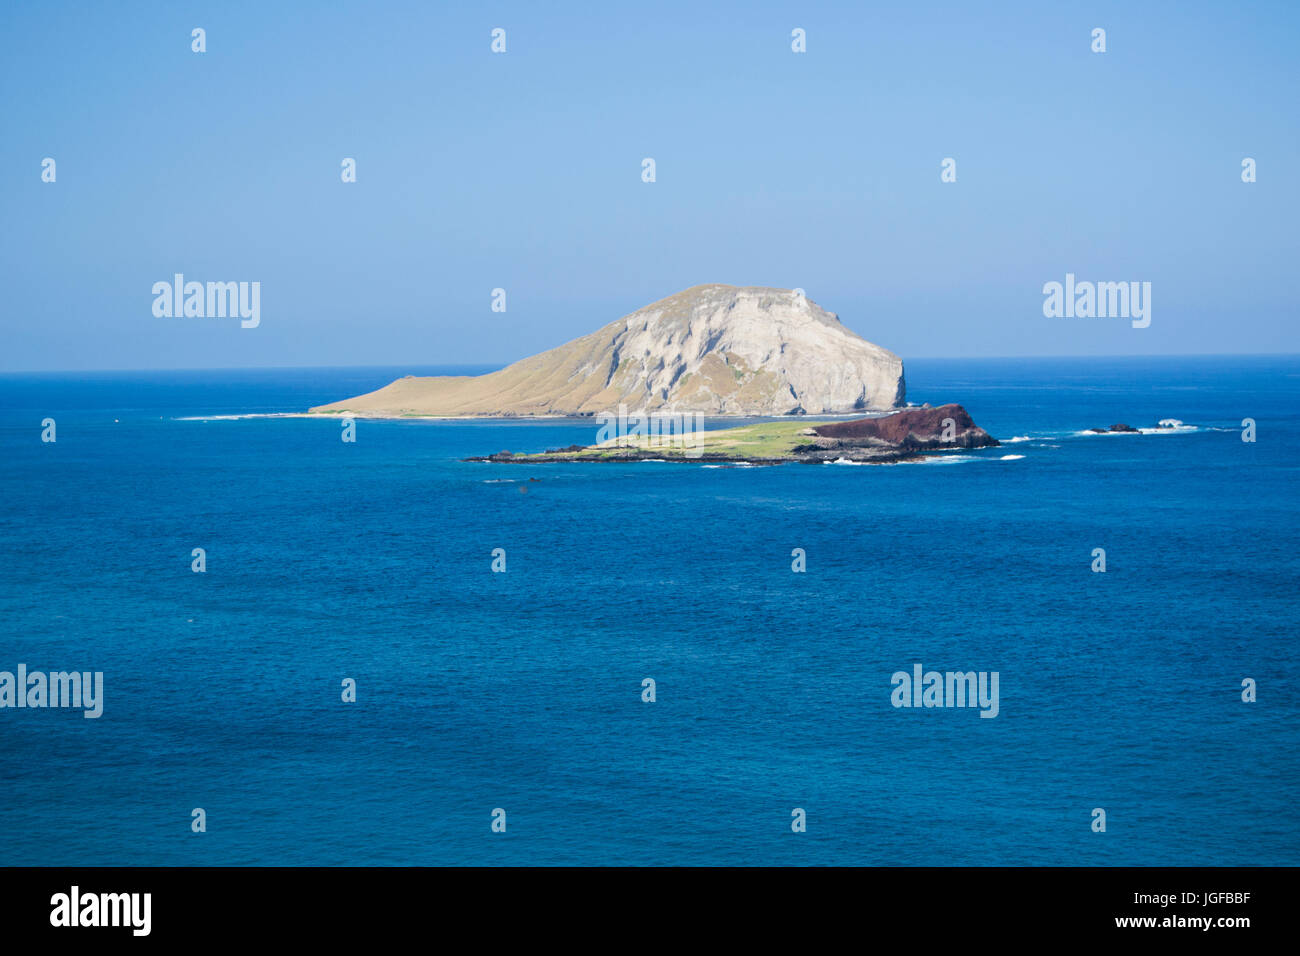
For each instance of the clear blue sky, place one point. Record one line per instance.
(523, 171)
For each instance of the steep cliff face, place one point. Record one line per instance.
(716, 349)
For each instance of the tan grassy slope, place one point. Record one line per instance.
(715, 349)
(758, 441)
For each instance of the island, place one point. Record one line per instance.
(717, 350)
(906, 435)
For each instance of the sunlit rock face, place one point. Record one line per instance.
(716, 349)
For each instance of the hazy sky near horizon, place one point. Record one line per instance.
(523, 171)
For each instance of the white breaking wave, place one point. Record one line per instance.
(1010, 457)
(1180, 430)
(232, 418)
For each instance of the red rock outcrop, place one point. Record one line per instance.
(912, 428)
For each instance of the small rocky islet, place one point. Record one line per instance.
(909, 434)
(1165, 424)
(905, 435)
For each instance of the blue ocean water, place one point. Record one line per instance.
(522, 690)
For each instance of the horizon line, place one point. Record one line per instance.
(497, 367)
